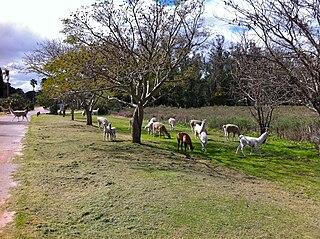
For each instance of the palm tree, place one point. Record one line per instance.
(33, 83)
(1, 84)
(7, 77)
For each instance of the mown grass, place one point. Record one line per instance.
(72, 184)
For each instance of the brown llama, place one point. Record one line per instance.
(231, 128)
(159, 127)
(193, 124)
(184, 138)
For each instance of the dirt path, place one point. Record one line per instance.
(11, 136)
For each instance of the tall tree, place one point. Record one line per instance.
(292, 28)
(143, 42)
(1, 84)
(218, 68)
(33, 83)
(6, 74)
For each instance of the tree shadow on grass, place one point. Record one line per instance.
(149, 157)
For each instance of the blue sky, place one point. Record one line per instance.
(24, 23)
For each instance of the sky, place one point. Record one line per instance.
(23, 24)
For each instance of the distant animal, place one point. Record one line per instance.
(149, 125)
(199, 128)
(83, 113)
(19, 113)
(102, 121)
(172, 123)
(38, 113)
(193, 124)
(95, 112)
(159, 127)
(231, 128)
(109, 132)
(184, 139)
(251, 141)
(203, 140)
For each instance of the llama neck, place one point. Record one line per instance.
(202, 125)
(263, 137)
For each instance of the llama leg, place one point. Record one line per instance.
(238, 148)
(242, 149)
(254, 146)
(258, 149)
(104, 134)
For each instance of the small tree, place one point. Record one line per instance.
(69, 73)
(73, 77)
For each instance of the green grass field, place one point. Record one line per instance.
(72, 184)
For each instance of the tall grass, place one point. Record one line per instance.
(289, 122)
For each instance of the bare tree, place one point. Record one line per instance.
(292, 28)
(260, 82)
(142, 42)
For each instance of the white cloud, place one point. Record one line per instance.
(24, 23)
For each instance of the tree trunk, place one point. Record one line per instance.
(137, 124)
(89, 117)
(72, 113)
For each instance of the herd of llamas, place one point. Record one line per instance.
(198, 128)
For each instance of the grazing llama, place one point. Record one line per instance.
(102, 121)
(203, 140)
(193, 124)
(184, 139)
(230, 128)
(199, 128)
(109, 132)
(159, 127)
(251, 141)
(172, 123)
